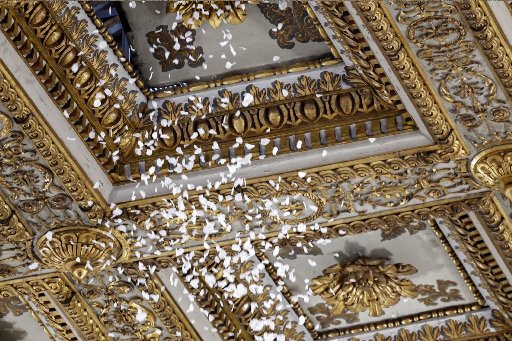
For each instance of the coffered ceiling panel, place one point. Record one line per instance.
(182, 54)
(347, 282)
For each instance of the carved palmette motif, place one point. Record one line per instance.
(473, 326)
(364, 284)
(224, 118)
(194, 13)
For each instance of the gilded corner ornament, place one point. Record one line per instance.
(80, 250)
(492, 167)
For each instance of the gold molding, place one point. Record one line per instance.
(246, 77)
(337, 191)
(50, 295)
(31, 121)
(354, 44)
(166, 308)
(497, 223)
(467, 235)
(452, 212)
(16, 236)
(235, 320)
(169, 312)
(80, 314)
(56, 58)
(88, 9)
(481, 21)
(11, 292)
(415, 81)
(369, 166)
(474, 327)
(93, 64)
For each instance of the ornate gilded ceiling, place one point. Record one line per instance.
(289, 170)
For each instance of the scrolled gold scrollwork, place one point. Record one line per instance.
(30, 184)
(162, 41)
(10, 303)
(326, 317)
(295, 24)
(29, 118)
(427, 105)
(122, 311)
(437, 29)
(431, 295)
(493, 44)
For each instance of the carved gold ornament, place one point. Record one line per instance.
(363, 284)
(163, 41)
(79, 249)
(294, 22)
(123, 314)
(193, 13)
(492, 167)
(11, 304)
(297, 207)
(5, 125)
